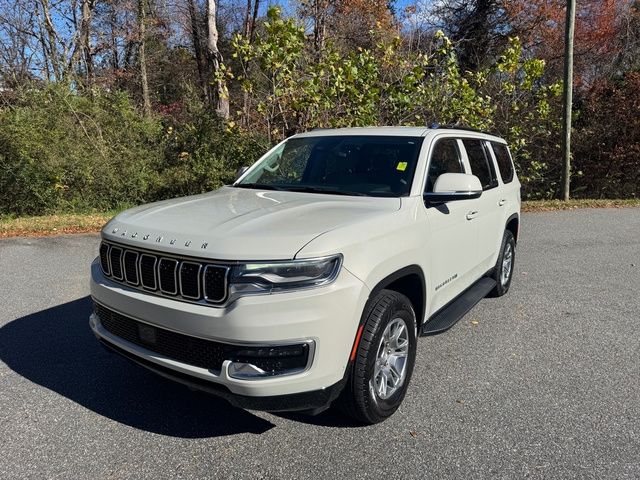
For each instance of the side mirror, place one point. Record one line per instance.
(450, 187)
(241, 171)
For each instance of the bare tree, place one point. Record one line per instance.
(82, 47)
(49, 41)
(198, 50)
(479, 28)
(250, 19)
(215, 57)
(142, 58)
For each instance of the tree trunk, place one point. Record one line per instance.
(247, 19)
(250, 18)
(85, 36)
(222, 94)
(51, 45)
(320, 8)
(113, 23)
(82, 48)
(201, 61)
(146, 99)
(249, 31)
(254, 18)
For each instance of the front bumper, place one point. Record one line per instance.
(326, 317)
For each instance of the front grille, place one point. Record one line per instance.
(184, 279)
(182, 348)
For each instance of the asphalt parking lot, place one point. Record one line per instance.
(542, 383)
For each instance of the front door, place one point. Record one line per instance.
(452, 249)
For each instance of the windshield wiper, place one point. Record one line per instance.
(330, 191)
(259, 186)
(299, 188)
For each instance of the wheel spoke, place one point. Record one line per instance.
(402, 346)
(394, 375)
(383, 384)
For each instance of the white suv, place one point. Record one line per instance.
(307, 281)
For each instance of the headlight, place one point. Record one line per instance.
(281, 276)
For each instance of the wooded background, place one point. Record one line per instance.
(105, 103)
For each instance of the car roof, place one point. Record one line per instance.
(400, 132)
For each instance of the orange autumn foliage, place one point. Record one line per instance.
(540, 25)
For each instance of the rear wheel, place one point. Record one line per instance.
(384, 360)
(503, 271)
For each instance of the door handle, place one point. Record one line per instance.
(471, 215)
(502, 201)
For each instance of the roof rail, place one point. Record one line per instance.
(436, 126)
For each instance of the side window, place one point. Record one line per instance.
(504, 161)
(481, 163)
(445, 158)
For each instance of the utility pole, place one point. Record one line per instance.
(568, 93)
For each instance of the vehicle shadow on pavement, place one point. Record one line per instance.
(55, 348)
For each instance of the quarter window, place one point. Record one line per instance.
(504, 161)
(481, 163)
(444, 159)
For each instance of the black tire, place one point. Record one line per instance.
(358, 400)
(502, 286)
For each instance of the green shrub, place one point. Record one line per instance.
(201, 154)
(61, 151)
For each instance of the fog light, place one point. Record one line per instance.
(267, 361)
(246, 370)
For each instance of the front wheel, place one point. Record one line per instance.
(384, 360)
(503, 271)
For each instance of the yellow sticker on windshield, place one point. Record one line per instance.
(402, 166)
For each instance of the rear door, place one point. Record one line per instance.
(509, 200)
(487, 212)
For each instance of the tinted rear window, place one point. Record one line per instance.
(481, 163)
(504, 161)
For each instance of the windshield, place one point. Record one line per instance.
(343, 165)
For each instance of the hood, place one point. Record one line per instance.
(241, 224)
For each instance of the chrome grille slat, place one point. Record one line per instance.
(186, 279)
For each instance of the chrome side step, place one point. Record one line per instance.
(448, 316)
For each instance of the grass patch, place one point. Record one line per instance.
(93, 222)
(551, 205)
(53, 224)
